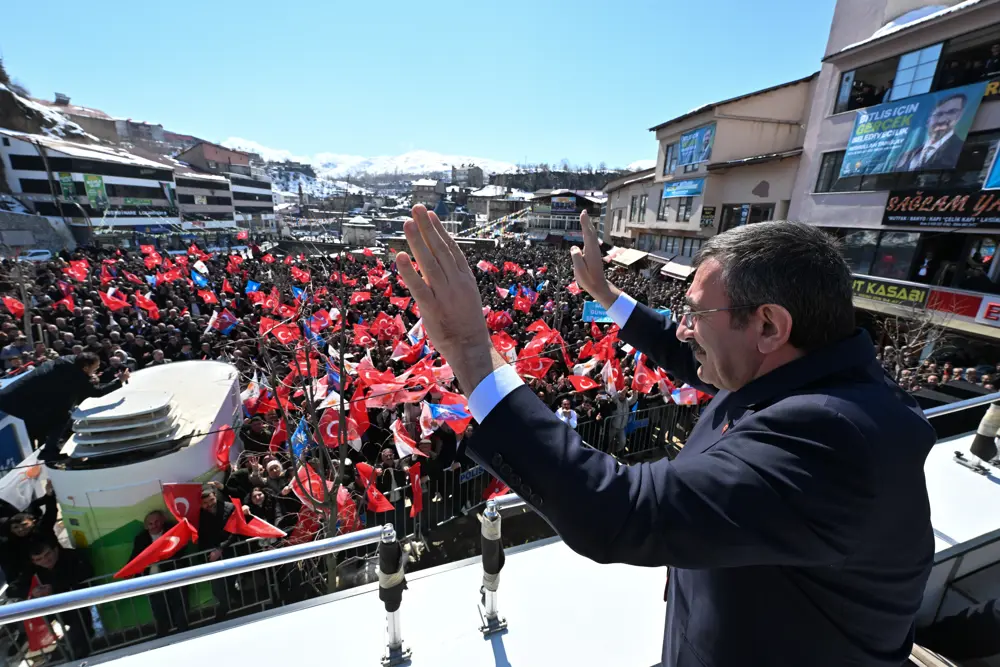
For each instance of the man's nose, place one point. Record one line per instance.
(684, 332)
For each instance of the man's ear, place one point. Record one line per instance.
(775, 327)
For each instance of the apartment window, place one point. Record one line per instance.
(970, 58)
(895, 254)
(672, 245)
(915, 72)
(663, 212)
(690, 247)
(690, 168)
(645, 241)
(212, 164)
(859, 250)
(633, 206)
(6, 141)
(670, 159)
(641, 216)
(684, 206)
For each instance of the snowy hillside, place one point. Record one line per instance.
(333, 165)
(288, 181)
(640, 165)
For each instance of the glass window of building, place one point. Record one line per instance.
(670, 159)
(760, 213)
(865, 86)
(684, 206)
(859, 250)
(663, 212)
(915, 72)
(642, 209)
(969, 58)
(895, 254)
(632, 208)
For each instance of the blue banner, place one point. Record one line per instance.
(689, 188)
(696, 145)
(993, 178)
(920, 133)
(594, 312)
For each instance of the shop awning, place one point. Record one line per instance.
(679, 267)
(538, 236)
(629, 256)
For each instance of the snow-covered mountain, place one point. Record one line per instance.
(335, 165)
(288, 181)
(640, 165)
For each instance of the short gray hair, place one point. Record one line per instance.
(792, 265)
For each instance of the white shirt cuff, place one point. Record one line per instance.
(493, 389)
(621, 309)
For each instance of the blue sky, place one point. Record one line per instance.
(514, 80)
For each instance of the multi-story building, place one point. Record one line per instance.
(469, 176)
(554, 215)
(205, 200)
(252, 194)
(88, 188)
(428, 191)
(722, 165)
(901, 138)
(494, 201)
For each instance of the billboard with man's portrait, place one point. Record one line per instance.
(696, 146)
(920, 133)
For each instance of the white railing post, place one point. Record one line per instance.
(391, 584)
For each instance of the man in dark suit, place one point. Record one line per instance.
(941, 146)
(44, 398)
(795, 521)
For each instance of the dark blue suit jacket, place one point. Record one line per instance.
(795, 521)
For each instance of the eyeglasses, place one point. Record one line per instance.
(689, 317)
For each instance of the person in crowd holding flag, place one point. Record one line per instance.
(169, 610)
(213, 537)
(778, 505)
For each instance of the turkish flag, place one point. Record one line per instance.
(367, 252)
(132, 278)
(256, 527)
(573, 288)
(538, 326)
(147, 249)
(267, 259)
(208, 296)
(106, 276)
(583, 383)
(242, 235)
(183, 502)
(358, 412)
(358, 297)
(400, 302)
(347, 511)
(535, 367)
(505, 345)
(182, 260)
(644, 379)
(279, 436)
(285, 333)
(451, 398)
(164, 547)
(523, 304)
(226, 287)
(223, 443)
(308, 485)
(307, 526)
(495, 488)
(15, 307)
(66, 301)
(329, 428)
(362, 336)
(418, 493)
(113, 303)
(39, 630)
(405, 445)
(376, 501)
(77, 272)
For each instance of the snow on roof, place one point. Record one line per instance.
(425, 182)
(911, 19)
(490, 191)
(85, 151)
(74, 109)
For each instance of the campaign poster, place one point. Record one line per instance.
(564, 204)
(96, 192)
(696, 145)
(920, 133)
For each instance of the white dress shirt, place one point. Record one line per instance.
(567, 417)
(495, 386)
(927, 152)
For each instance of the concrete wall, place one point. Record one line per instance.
(767, 183)
(855, 20)
(49, 235)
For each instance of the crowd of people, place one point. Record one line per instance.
(97, 314)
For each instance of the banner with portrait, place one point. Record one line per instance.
(696, 146)
(920, 133)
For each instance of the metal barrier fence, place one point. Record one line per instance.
(446, 495)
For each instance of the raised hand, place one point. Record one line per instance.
(449, 300)
(588, 267)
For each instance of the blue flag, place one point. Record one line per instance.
(151, 280)
(314, 336)
(300, 439)
(541, 285)
(199, 280)
(443, 412)
(298, 292)
(252, 286)
(332, 377)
